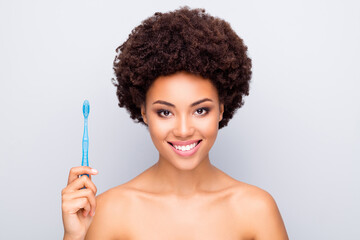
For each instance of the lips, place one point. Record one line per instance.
(184, 143)
(185, 153)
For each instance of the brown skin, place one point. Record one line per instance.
(185, 197)
(78, 205)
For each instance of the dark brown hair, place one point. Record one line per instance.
(187, 40)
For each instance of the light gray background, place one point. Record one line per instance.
(297, 135)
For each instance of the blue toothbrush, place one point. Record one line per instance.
(85, 142)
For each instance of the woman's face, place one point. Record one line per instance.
(182, 113)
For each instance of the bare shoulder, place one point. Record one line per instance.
(258, 211)
(253, 197)
(111, 212)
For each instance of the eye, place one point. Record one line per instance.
(202, 111)
(163, 113)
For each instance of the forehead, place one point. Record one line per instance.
(183, 87)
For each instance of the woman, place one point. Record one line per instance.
(183, 74)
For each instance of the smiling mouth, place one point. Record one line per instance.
(185, 148)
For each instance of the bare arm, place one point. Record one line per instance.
(258, 215)
(110, 219)
(101, 226)
(268, 223)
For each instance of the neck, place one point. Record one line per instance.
(172, 180)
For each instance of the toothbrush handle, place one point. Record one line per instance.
(85, 148)
(85, 145)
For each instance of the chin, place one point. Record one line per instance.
(184, 163)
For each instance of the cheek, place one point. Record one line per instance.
(158, 130)
(208, 127)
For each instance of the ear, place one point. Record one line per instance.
(143, 113)
(221, 111)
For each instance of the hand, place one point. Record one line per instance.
(78, 205)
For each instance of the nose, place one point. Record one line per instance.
(183, 127)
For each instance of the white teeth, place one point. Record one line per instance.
(185, 148)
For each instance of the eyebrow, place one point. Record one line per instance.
(192, 105)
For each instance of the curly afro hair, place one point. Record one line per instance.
(187, 40)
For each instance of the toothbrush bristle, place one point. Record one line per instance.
(86, 108)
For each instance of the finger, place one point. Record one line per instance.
(79, 183)
(74, 205)
(87, 208)
(92, 204)
(83, 193)
(76, 171)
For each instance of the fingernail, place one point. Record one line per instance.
(94, 170)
